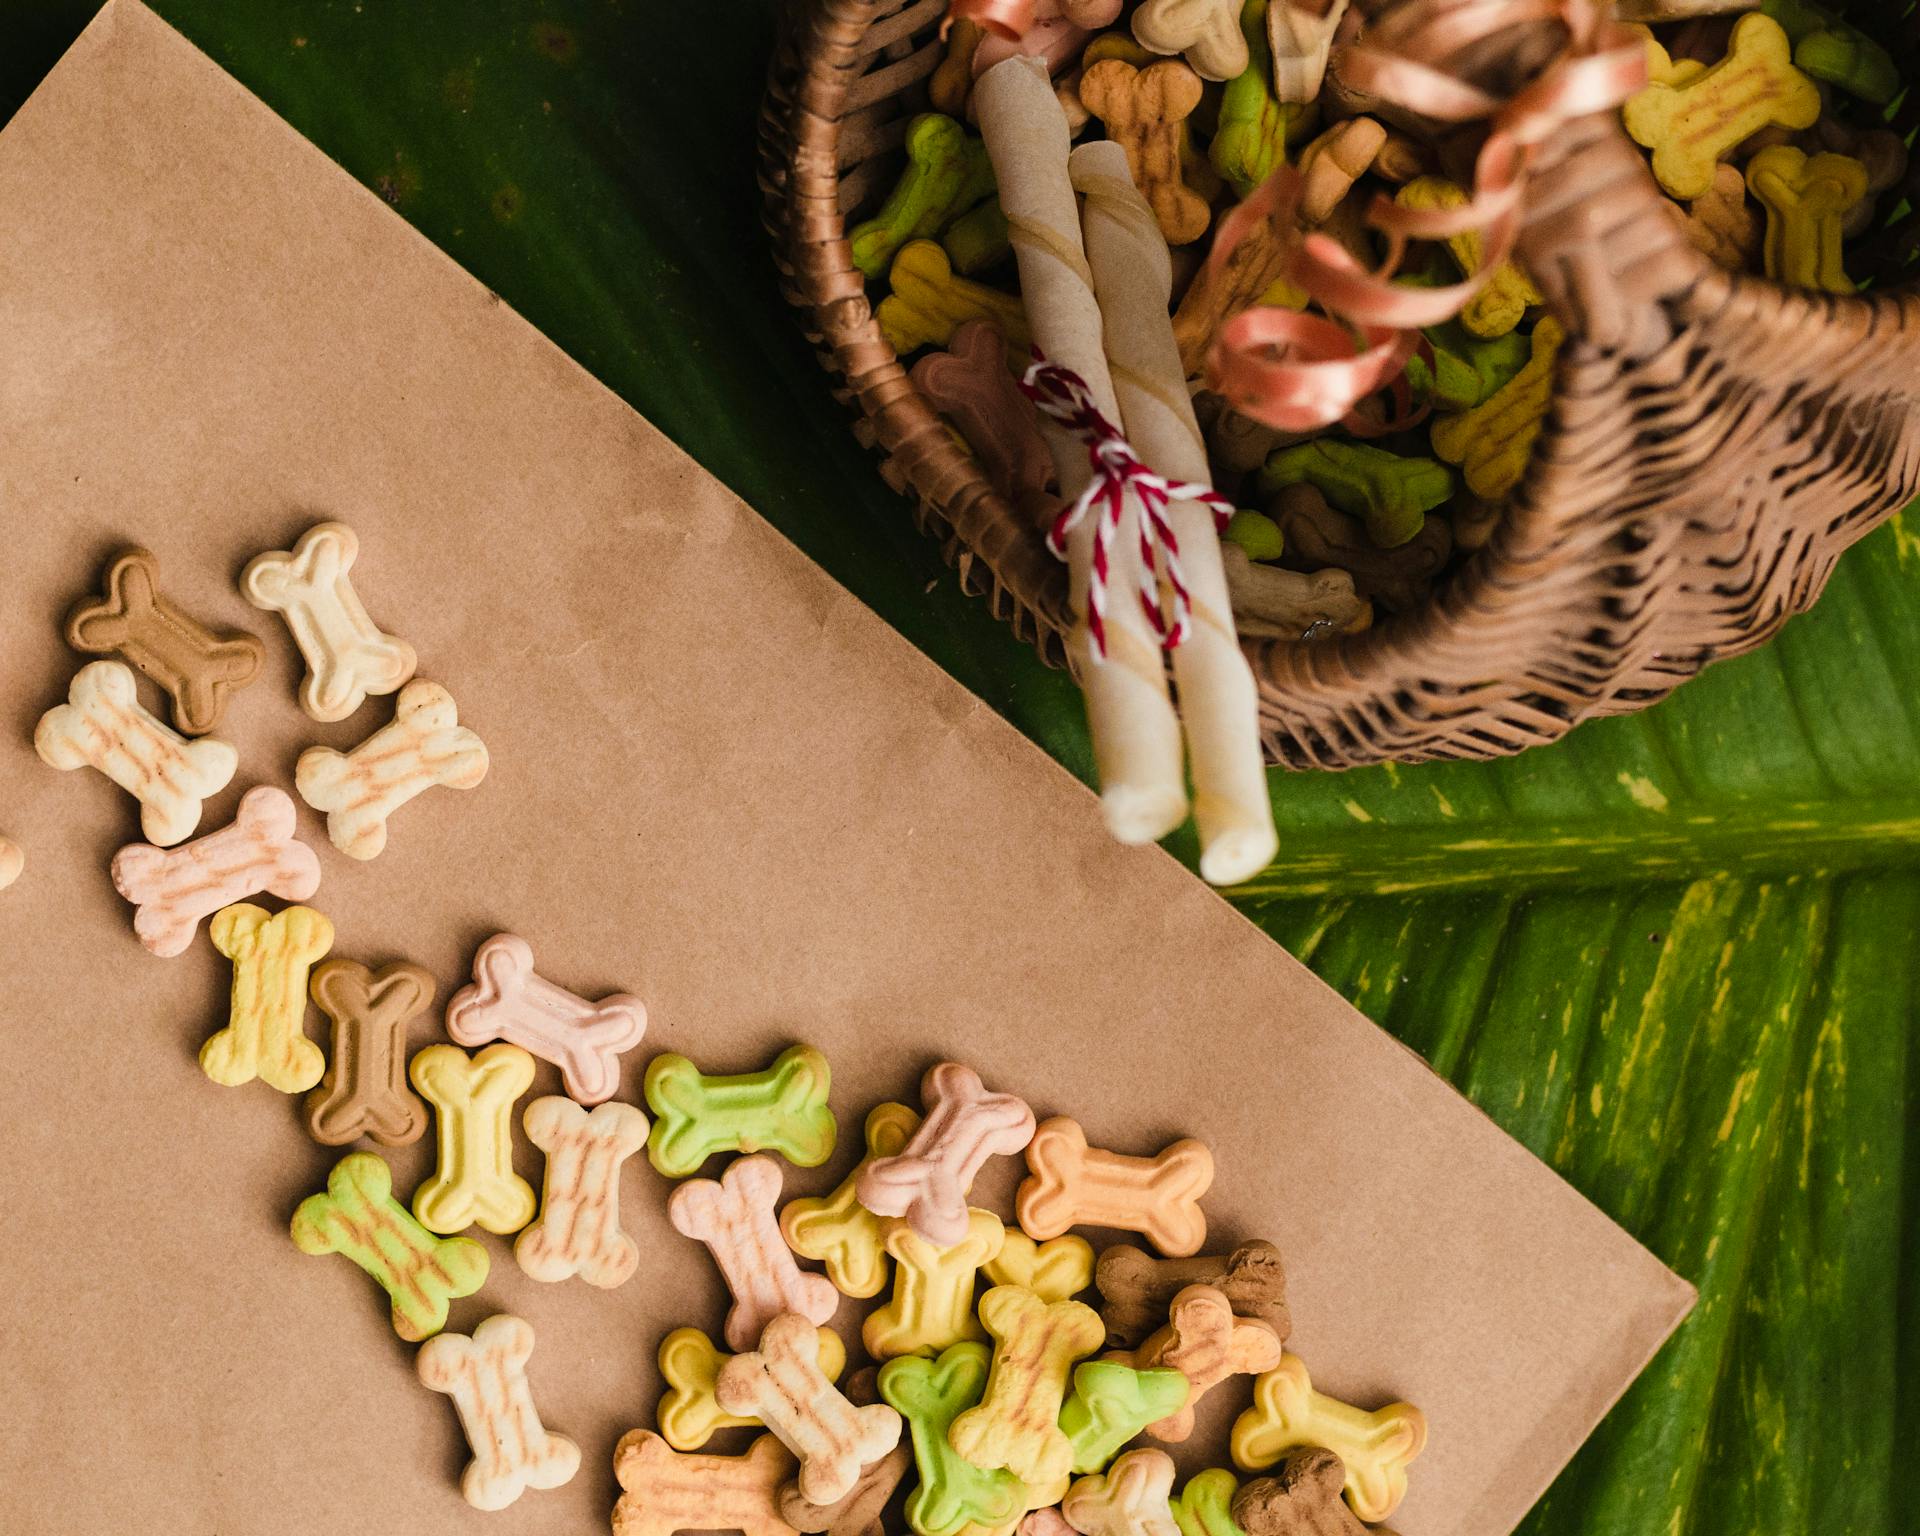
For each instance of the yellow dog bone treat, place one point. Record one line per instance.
(578, 1232)
(838, 1230)
(359, 790)
(782, 1385)
(1692, 126)
(1073, 1184)
(690, 1364)
(265, 1034)
(311, 586)
(1499, 307)
(486, 1376)
(359, 1219)
(1722, 224)
(1036, 1344)
(12, 861)
(1053, 1271)
(472, 1098)
(929, 303)
(1206, 32)
(1494, 442)
(927, 1182)
(734, 1218)
(1131, 1498)
(1205, 1343)
(1145, 111)
(665, 1492)
(104, 726)
(1808, 200)
(932, 1302)
(364, 1091)
(1375, 1447)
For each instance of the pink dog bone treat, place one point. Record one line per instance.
(104, 726)
(486, 1376)
(425, 745)
(1074, 1185)
(1060, 28)
(965, 1125)
(347, 656)
(509, 1000)
(969, 384)
(173, 890)
(735, 1219)
(578, 1232)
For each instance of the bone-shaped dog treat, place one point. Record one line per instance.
(734, 1217)
(1250, 141)
(1206, 32)
(1206, 1343)
(1301, 44)
(486, 1376)
(1303, 1500)
(951, 82)
(1392, 492)
(265, 1033)
(780, 1109)
(838, 1230)
(473, 1178)
(1205, 1505)
(1287, 1414)
(690, 1364)
(198, 668)
(172, 890)
(953, 1494)
(1808, 201)
(359, 1219)
(1053, 1271)
(965, 1125)
(1493, 443)
(1131, 1498)
(666, 1492)
(104, 726)
(578, 1232)
(1137, 1289)
(1145, 111)
(311, 586)
(424, 745)
(1292, 605)
(12, 861)
(783, 1386)
(1111, 1403)
(1499, 307)
(969, 384)
(1073, 1184)
(947, 173)
(1722, 224)
(510, 1001)
(857, 1512)
(364, 1091)
(1035, 1346)
(932, 1302)
(1397, 579)
(1047, 1521)
(929, 303)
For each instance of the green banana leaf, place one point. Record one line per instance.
(1675, 955)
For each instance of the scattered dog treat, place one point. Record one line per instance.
(690, 1364)
(1137, 1289)
(265, 1035)
(1045, 1521)
(1288, 1415)
(932, 1302)
(578, 1230)
(1205, 1343)
(486, 1376)
(1205, 1505)
(970, 385)
(1145, 112)
(1206, 32)
(665, 1491)
(735, 1218)
(837, 1230)
(1074, 1185)
(927, 1182)
(473, 1181)
(12, 862)
(1054, 1270)
(953, 1494)
(1493, 443)
(1131, 1498)
(1112, 1402)
(364, 1091)
(929, 303)
(781, 1109)
(859, 1511)
(1016, 1424)
(1808, 201)
(947, 173)
(1302, 1500)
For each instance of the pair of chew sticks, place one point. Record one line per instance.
(1096, 278)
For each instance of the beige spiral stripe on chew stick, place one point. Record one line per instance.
(1136, 735)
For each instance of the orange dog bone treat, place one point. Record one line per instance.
(1131, 1498)
(1016, 1424)
(1145, 112)
(932, 1302)
(1207, 32)
(310, 585)
(927, 1182)
(1073, 1184)
(472, 1098)
(1205, 1343)
(364, 1091)
(1137, 1289)
(198, 668)
(173, 889)
(1053, 1271)
(12, 861)
(734, 1217)
(510, 1001)
(486, 1376)
(104, 726)
(578, 1232)
(1287, 1414)
(691, 1365)
(666, 1491)
(1303, 1500)
(265, 1034)
(838, 1230)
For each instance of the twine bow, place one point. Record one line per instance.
(1063, 397)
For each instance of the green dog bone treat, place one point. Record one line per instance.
(1251, 140)
(783, 1109)
(1113, 1402)
(1851, 60)
(1256, 533)
(359, 1218)
(947, 173)
(953, 1493)
(1205, 1505)
(1468, 370)
(1392, 493)
(978, 239)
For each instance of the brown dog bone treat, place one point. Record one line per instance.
(1302, 1499)
(1136, 1289)
(666, 1491)
(952, 80)
(1145, 111)
(1275, 604)
(1723, 225)
(1319, 535)
(859, 1512)
(364, 1091)
(971, 386)
(1207, 1344)
(197, 667)
(1073, 1184)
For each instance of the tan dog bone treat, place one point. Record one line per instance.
(667, 1491)
(172, 890)
(198, 668)
(1016, 1423)
(932, 1303)
(690, 1364)
(1722, 225)
(782, 1385)
(104, 726)
(1303, 1500)
(1274, 603)
(927, 1182)
(486, 1376)
(1302, 43)
(509, 1001)
(1053, 1271)
(364, 1091)
(265, 1034)
(1206, 32)
(578, 1232)
(347, 656)
(971, 386)
(1205, 1343)
(12, 861)
(859, 1512)
(472, 1098)
(1131, 1498)
(1287, 1414)
(1145, 111)
(424, 745)
(735, 1218)
(1074, 1185)
(951, 82)
(1808, 200)
(1137, 1290)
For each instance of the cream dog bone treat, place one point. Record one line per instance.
(1302, 1500)
(364, 1091)
(347, 656)
(424, 745)
(1206, 1343)
(486, 1376)
(265, 1034)
(510, 1001)
(1073, 1184)
(690, 1365)
(1137, 1289)
(578, 1232)
(104, 726)
(965, 1125)
(1287, 1414)
(472, 1098)
(735, 1218)
(1207, 32)
(1301, 44)
(12, 861)
(1130, 1499)
(666, 1491)
(782, 1385)
(173, 889)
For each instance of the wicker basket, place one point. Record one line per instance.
(1716, 442)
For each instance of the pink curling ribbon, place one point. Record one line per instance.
(1003, 18)
(1062, 396)
(1302, 372)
